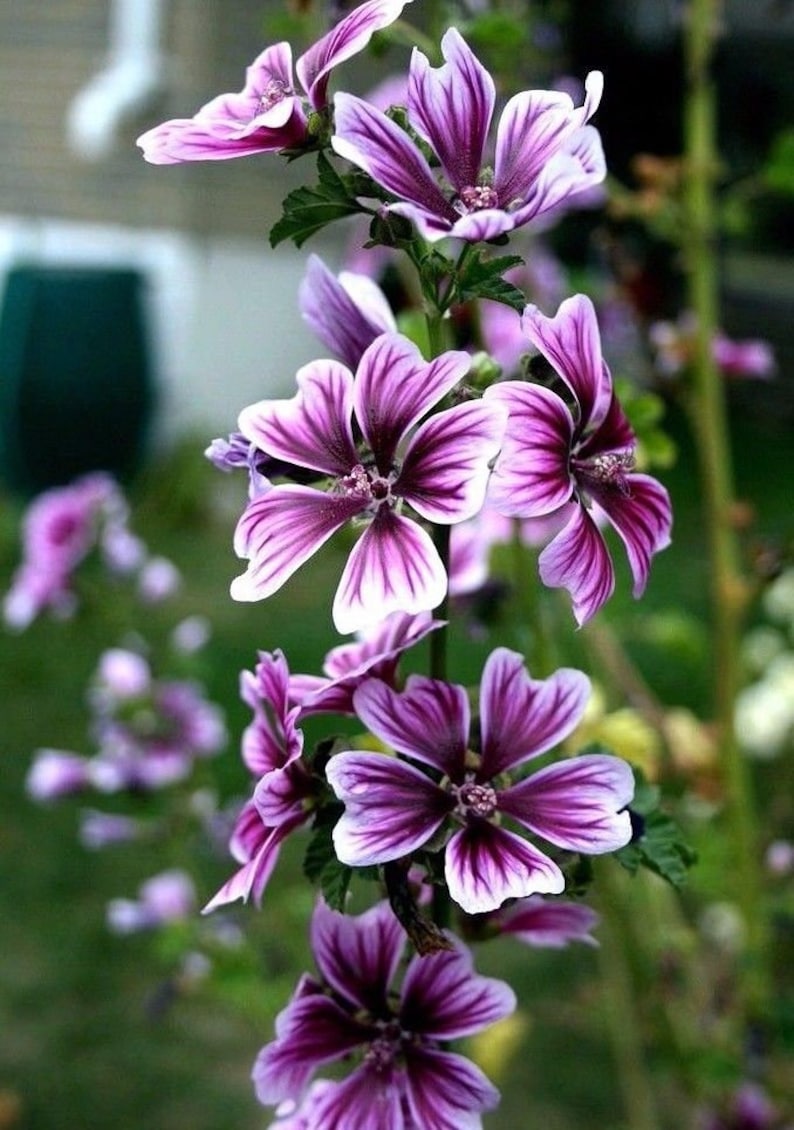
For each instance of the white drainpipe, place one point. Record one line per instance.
(132, 76)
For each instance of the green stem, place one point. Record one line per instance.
(709, 415)
(620, 1006)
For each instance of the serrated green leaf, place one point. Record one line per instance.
(320, 851)
(483, 278)
(308, 210)
(660, 847)
(335, 883)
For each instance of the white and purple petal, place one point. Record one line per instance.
(571, 343)
(577, 559)
(267, 99)
(351, 35)
(578, 804)
(444, 998)
(369, 139)
(534, 127)
(446, 1091)
(395, 387)
(391, 808)
(358, 955)
(371, 1098)
(346, 313)
(280, 530)
(394, 567)
(313, 1030)
(521, 717)
(643, 517)
(451, 108)
(446, 466)
(532, 475)
(548, 923)
(486, 865)
(314, 428)
(428, 721)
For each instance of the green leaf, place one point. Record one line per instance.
(482, 278)
(334, 883)
(320, 851)
(309, 210)
(660, 847)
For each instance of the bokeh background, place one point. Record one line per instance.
(141, 309)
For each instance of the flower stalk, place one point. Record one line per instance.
(729, 589)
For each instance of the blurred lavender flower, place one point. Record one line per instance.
(167, 897)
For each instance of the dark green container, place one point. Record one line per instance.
(76, 385)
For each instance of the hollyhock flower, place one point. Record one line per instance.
(149, 731)
(346, 312)
(404, 1077)
(544, 155)
(269, 114)
(547, 923)
(393, 808)
(167, 897)
(60, 528)
(56, 773)
(440, 471)
(101, 829)
(553, 454)
(283, 798)
(375, 654)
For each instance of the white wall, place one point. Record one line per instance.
(223, 313)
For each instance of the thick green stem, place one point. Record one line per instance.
(710, 422)
(620, 1007)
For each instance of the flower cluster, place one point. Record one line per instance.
(149, 732)
(60, 529)
(407, 445)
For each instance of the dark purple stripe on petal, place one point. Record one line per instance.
(394, 567)
(446, 466)
(280, 530)
(446, 1091)
(428, 721)
(372, 141)
(451, 107)
(358, 955)
(521, 717)
(486, 865)
(578, 560)
(391, 808)
(314, 428)
(444, 998)
(576, 804)
(643, 517)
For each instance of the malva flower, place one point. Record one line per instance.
(555, 453)
(347, 312)
(282, 799)
(269, 114)
(544, 155)
(357, 432)
(404, 1077)
(393, 808)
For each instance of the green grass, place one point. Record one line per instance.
(81, 1045)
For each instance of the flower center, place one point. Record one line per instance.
(475, 800)
(366, 485)
(609, 470)
(475, 197)
(275, 91)
(384, 1049)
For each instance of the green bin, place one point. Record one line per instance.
(76, 384)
